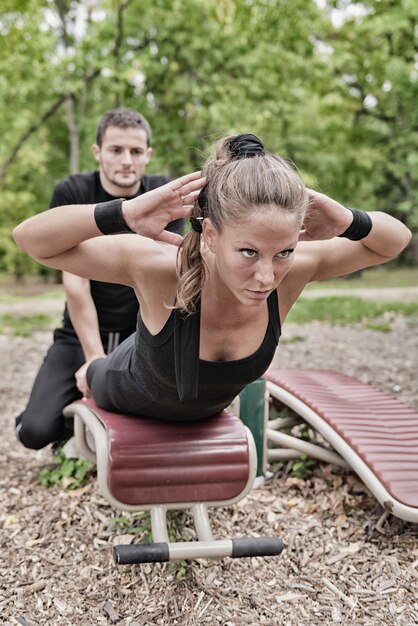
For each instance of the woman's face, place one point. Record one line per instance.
(251, 258)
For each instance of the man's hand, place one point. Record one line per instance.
(81, 380)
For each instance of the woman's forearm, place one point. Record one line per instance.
(56, 231)
(53, 232)
(388, 236)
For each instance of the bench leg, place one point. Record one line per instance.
(206, 547)
(84, 444)
(161, 549)
(292, 447)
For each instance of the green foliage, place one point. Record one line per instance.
(12, 260)
(303, 468)
(373, 55)
(178, 569)
(337, 99)
(67, 473)
(135, 524)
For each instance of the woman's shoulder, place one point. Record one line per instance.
(297, 278)
(148, 254)
(152, 265)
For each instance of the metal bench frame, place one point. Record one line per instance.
(93, 444)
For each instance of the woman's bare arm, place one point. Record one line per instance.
(68, 238)
(322, 254)
(329, 255)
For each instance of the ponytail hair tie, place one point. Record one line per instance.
(246, 145)
(196, 223)
(202, 200)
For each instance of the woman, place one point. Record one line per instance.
(210, 310)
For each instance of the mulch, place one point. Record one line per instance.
(345, 561)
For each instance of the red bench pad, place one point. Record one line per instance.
(152, 461)
(380, 428)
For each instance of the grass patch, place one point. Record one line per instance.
(292, 339)
(346, 310)
(7, 298)
(136, 524)
(382, 327)
(373, 278)
(25, 325)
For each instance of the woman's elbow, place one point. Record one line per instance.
(20, 237)
(23, 236)
(405, 236)
(396, 236)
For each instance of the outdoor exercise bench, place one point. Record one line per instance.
(370, 431)
(145, 464)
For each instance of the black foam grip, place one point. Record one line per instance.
(141, 553)
(256, 546)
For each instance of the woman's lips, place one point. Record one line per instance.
(258, 294)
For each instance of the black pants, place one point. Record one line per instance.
(42, 422)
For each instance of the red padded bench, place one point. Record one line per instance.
(373, 432)
(145, 464)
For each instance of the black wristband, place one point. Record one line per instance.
(360, 227)
(109, 217)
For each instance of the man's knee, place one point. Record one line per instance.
(36, 435)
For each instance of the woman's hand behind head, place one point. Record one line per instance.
(325, 218)
(149, 213)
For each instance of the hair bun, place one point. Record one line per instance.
(246, 145)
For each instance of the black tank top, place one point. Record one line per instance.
(161, 376)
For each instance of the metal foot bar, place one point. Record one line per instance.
(164, 552)
(161, 550)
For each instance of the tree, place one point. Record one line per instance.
(336, 98)
(374, 57)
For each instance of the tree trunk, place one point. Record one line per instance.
(74, 135)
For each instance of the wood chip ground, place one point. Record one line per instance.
(345, 562)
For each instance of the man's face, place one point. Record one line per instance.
(122, 157)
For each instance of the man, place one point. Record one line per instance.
(97, 316)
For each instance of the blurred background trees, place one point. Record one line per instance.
(331, 85)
